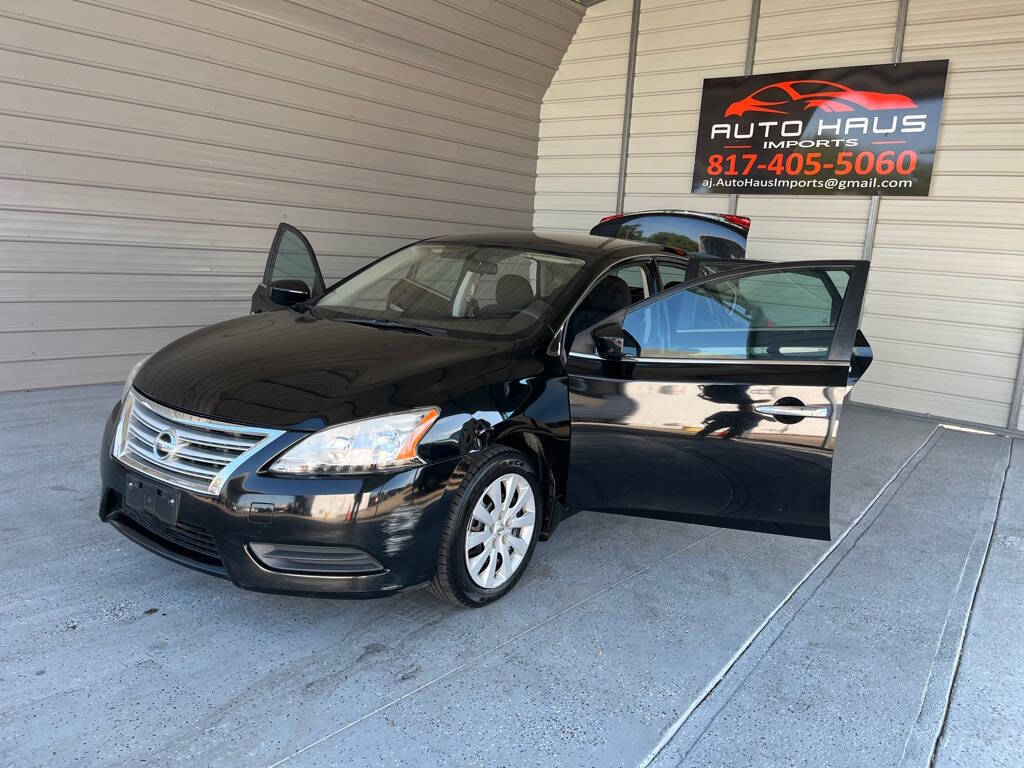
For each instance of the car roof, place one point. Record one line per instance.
(590, 247)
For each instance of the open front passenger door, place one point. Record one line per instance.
(717, 402)
(292, 274)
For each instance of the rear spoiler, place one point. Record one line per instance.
(737, 222)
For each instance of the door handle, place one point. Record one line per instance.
(794, 411)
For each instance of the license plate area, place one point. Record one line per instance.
(144, 495)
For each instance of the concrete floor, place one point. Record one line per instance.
(627, 643)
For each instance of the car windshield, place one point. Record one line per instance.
(478, 291)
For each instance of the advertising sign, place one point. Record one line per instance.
(844, 131)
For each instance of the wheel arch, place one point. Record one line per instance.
(547, 458)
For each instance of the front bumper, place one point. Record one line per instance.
(397, 518)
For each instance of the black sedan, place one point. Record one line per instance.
(428, 419)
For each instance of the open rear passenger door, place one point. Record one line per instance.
(717, 402)
(292, 274)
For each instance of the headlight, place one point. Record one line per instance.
(383, 442)
(131, 376)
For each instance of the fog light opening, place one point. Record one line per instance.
(315, 560)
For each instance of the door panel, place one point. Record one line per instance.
(291, 264)
(697, 449)
(718, 426)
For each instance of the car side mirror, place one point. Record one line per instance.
(608, 341)
(288, 292)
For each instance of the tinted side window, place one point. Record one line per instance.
(840, 279)
(785, 314)
(636, 278)
(722, 247)
(604, 300)
(294, 261)
(671, 274)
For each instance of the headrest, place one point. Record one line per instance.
(513, 292)
(609, 295)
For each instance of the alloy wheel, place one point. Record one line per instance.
(500, 530)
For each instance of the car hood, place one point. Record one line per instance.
(292, 371)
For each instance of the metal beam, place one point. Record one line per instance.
(1017, 397)
(755, 17)
(876, 201)
(869, 229)
(627, 105)
(748, 69)
(901, 31)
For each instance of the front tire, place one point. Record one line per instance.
(491, 530)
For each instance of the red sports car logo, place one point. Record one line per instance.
(793, 96)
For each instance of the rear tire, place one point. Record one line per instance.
(491, 530)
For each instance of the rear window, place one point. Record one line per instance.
(689, 233)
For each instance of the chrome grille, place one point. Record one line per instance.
(190, 452)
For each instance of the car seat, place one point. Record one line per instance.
(609, 296)
(513, 293)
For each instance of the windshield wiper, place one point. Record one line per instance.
(385, 323)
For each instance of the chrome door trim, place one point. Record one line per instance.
(713, 360)
(798, 411)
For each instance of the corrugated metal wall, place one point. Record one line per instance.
(945, 304)
(796, 34)
(148, 150)
(581, 123)
(945, 309)
(679, 45)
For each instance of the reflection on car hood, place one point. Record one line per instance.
(286, 370)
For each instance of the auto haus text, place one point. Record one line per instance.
(823, 131)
